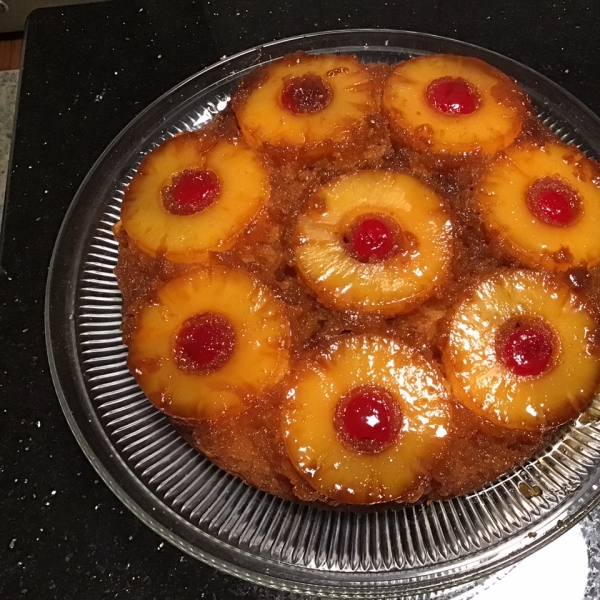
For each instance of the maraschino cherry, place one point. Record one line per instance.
(306, 94)
(453, 96)
(527, 351)
(373, 238)
(192, 191)
(368, 419)
(553, 201)
(204, 343)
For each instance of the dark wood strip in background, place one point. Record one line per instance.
(10, 54)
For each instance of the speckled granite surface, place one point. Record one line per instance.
(63, 534)
(8, 94)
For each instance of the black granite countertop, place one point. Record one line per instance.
(88, 70)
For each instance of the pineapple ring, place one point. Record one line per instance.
(478, 376)
(493, 125)
(502, 198)
(264, 120)
(260, 353)
(308, 420)
(396, 285)
(244, 188)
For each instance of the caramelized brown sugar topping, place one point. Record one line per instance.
(358, 254)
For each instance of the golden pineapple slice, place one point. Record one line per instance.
(211, 339)
(453, 104)
(520, 350)
(374, 241)
(306, 102)
(365, 420)
(542, 204)
(192, 195)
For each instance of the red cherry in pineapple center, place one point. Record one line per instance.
(192, 191)
(373, 238)
(553, 201)
(527, 349)
(368, 419)
(306, 94)
(204, 343)
(453, 96)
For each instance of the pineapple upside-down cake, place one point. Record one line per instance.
(362, 283)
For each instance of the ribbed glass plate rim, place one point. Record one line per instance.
(570, 119)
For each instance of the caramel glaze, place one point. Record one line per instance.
(250, 444)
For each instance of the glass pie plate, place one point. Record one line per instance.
(216, 517)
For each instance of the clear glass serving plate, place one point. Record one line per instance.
(216, 517)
